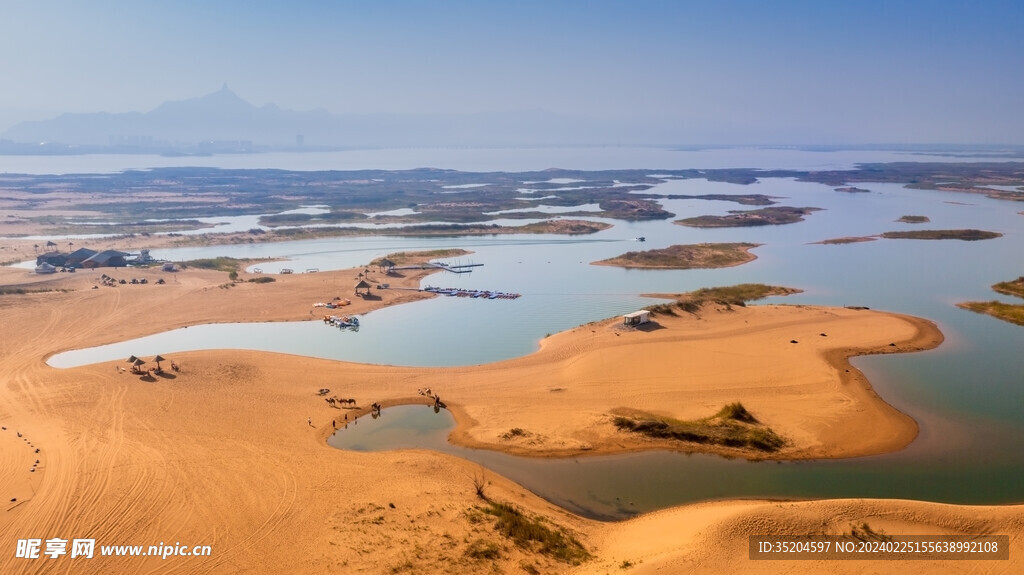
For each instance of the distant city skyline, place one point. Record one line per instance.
(730, 72)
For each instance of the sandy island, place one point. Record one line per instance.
(685, 257)
(221, 453)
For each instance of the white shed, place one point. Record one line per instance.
(636, 318)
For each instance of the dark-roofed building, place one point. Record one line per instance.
(106, 259)
(78, 256)
(56, 259)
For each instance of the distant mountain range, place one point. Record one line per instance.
(224, 122)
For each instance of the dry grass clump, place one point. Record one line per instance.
(531, 533)
(732, 426)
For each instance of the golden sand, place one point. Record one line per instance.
(221, 453)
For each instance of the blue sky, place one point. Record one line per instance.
(748, 72)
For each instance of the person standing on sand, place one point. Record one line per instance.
(309, 420)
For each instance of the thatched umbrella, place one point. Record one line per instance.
(137, 364)
(158, 359)
(132, 359)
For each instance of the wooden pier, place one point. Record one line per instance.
(453, 268)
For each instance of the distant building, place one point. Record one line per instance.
(57, 259)
(106, 259)
(78, 256)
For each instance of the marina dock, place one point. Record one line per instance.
(459, 292)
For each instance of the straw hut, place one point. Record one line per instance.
(137, 365)
(363, 284)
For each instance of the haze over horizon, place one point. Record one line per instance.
(732, 72)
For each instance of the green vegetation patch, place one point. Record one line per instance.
(404, 258)
(848, 240)
(739, 295)
(19, 290)
(223, 263)
(770, 216)
(914, 219)
(1015, 287)
(532, 534)
(634, 210)
(737, 412)
(997, 309)
(732, 426)
(483, 550)
(969, 235)
(684, 257)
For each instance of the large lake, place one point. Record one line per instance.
(967, 395)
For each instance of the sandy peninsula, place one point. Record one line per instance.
(230, 451)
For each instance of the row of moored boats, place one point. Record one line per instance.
(342, 321)
(457, 292)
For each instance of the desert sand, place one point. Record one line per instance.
(221, 453)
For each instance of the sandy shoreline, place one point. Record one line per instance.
(221, 453)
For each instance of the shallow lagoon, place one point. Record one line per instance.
(966, 395)
(619, 486)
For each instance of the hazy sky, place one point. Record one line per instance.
(717, 71)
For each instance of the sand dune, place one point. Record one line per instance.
(221, 454)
